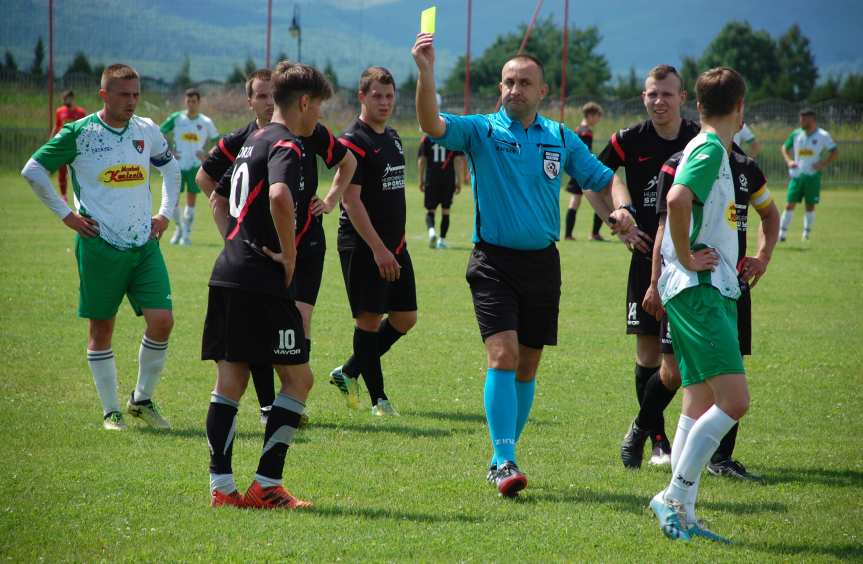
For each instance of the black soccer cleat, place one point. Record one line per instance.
(632, 449)
(733, 469)
(509, 479)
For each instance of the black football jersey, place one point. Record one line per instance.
(440, 165)
(748, 179)
(269, 156)
(642, 152)
(381, 174)
(222, 156)
(586, 135)
(321, 143)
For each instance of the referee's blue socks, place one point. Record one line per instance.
(501, 412)
(524, 392)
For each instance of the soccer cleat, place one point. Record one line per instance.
(441, 244)
(148, 412)
(304, 421)
(661, 454)
(596, 237)
(671, 516)
(782, 237)
(492, 474)
(699, 529)
(219, 499)
(733, 469)
(805, 236)
(185, 240)
(632, 449)
(384, 409)
(265, 414)
(337, 379)
(509, 479)
(275, 497)
(178, 234)
(114, 422)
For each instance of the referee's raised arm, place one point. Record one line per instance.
(428, 113)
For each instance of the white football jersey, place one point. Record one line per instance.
(808, 149)
(190, 136)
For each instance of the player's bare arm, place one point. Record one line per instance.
(789, 160)
(753, 268)
(341, 180)
(679, 213)
(282, 210)
(388, 266)
(620, 221)
(652, 303)
(428, 113)
(220, 208)
(205, 182)
(421, 172)
(824, 163)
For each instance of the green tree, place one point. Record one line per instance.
(751, 53)
(828, 90)
(798, 72)
(9, 63)
(628, 86)
(408, 85)
(249, 67)
(587, 73)
(183, 79)
(282, 56)
(330, 73)
(79, 66)
(689, 71)
(38, 58)
(236, 77)
(852, 89)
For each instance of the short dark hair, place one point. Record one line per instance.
(193, 92)
(68, 93)
(591, 109)
(661, 72)
(118, 71)
(718, 90)
(375, 74)
(531, 58)
(807, 112)
(292, 80)
(261, 74)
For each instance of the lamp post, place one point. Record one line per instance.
(297, 32)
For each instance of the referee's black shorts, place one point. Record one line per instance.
(516, 290)
(744, 326)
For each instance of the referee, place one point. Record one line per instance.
(516, 157)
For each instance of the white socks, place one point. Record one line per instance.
(151, 361)
(684, 426)
(104, 371)
(808, 220)
(703, 439)
(785, 222)
(188, 219)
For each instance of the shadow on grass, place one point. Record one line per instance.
(201, 433)
(846, 551)
(385, 427)
(473, 417)
(825, 476)
(391, 514)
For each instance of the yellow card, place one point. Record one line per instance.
(427, 20)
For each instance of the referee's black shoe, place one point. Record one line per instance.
(632, 449)
(733, 469)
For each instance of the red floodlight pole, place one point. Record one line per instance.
(50, 66)
(526, 37)
(564, 60)
(269, 28)
(467, 59)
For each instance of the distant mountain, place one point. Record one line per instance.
(156, 35)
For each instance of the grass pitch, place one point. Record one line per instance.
(413, 488)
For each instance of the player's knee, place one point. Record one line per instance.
(159, 325)
(736, 407)
(670, 376)
(503, 358)
(403, 321)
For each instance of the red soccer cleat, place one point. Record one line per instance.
(218, 499)
(510, 480)
(275, 497)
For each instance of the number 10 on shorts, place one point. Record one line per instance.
(287, 339)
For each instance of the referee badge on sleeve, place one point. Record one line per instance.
(551, 164)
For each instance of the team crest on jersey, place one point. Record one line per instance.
(551, 164)
(138, 144)
(744, 183)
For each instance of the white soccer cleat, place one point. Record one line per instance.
(185, 240)
(442, 244)
(805, 236)
(660, 457)
(178, 234)
(148, 412)
(384, 409)
(432, 238)
(114, 422)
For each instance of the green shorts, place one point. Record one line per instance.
(805, 186)
(704, 325)
(108, 273)
(187, 181)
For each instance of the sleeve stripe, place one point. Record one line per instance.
(352, 147)
(667, 169)
(289, 145)
(225, 151)
(617, 148)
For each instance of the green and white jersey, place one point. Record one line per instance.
(190, 136)
(110, 172)
(704, 169)
(808, 149)
(743, 136)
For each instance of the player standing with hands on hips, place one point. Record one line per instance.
(516, 158)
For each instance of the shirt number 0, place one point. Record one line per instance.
(239, 189)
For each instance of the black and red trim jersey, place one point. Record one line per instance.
(748, 179)
(440, 163)
(381, 175)
(584, 133)
(270, 155)
(222, 155)
(642, 152)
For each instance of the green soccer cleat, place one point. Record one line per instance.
(114, 422)
(148, 412)
(699, 529)
(384, 409)
(671, 516)
(349, 387)
(442, 244)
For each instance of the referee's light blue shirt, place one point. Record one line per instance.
(516, 175)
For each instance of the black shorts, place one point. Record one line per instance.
(252, 327)
(573, 188)
(438, 195)
(638, 321)
(307, 277)
(367, 291)
(516, 290)
(744, 327)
